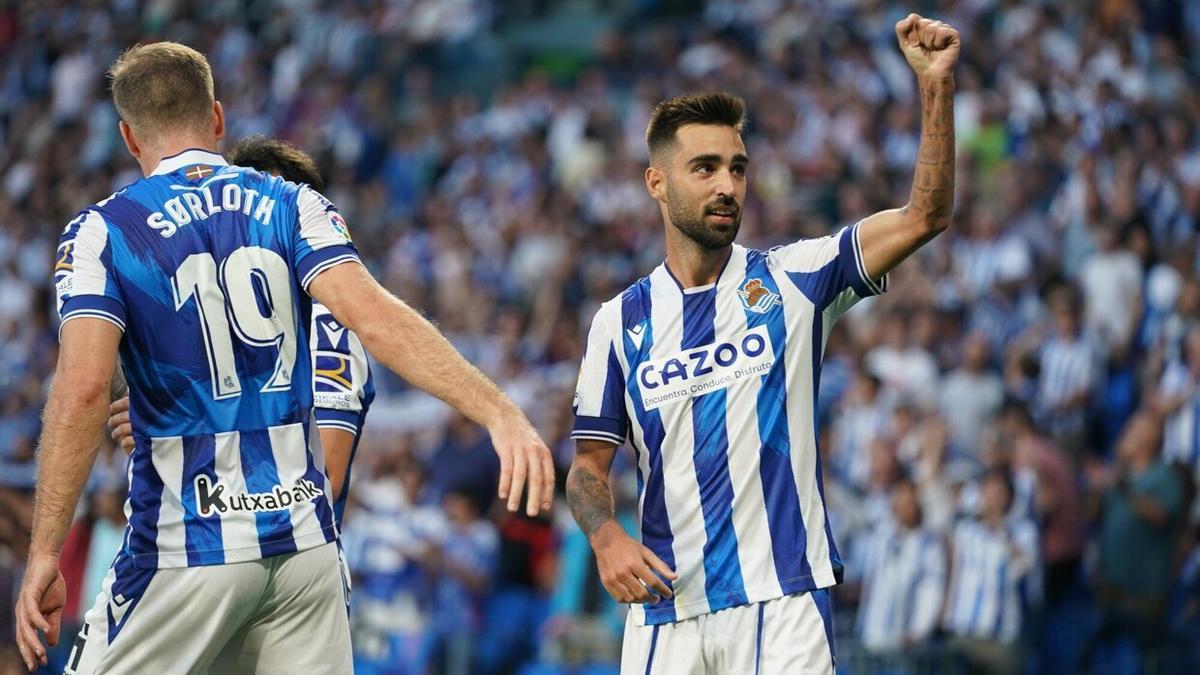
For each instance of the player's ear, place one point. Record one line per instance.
(218, 120)
(131, 143)
(656, 182)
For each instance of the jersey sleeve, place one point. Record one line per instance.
(83, 272)
(600, 393)
(342, 388)
(322, 237)
(829, 270)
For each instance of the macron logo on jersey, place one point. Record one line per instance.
(334, 332)
(706, 369)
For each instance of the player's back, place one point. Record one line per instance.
(204, 266)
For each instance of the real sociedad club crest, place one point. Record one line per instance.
(756, 297)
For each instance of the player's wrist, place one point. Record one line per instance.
(39, 551)
(606, 532)
(936, 82)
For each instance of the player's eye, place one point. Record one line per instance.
(703, 168)
(738, 170)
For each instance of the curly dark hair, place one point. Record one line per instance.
(271, 155)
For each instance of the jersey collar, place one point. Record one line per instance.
(666, 271)
(187, 157)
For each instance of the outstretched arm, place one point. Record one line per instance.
(888, 237)
(414, 349)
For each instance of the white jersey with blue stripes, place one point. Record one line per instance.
(993, 575)
(716, 387)
(205, 268)
(904, 578)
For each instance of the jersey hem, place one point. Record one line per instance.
(239, 554)
(676, 613)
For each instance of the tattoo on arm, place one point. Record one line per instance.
(932, 194)
(590, 499)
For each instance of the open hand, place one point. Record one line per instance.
(39, 608)
(524, 459)
(930, 47)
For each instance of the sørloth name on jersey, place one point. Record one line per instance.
(203, 202)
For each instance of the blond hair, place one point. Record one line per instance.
(162, 87)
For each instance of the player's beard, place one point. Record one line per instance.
(690, 220)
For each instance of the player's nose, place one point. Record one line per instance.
(723, 185)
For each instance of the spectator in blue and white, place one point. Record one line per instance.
(940, 473)
(1070, 368)
(390, 529)
(1111, 279)
(993, 560)
(462, 566)
(1010, 305)
(1179, 400)
(904, 578)
(872, 508)
(976, 256)
(864, 417)
(906, 369)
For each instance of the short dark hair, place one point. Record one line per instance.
(161, 87)
(717, 108)
(271, 155)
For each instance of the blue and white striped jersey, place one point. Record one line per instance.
(716, 387)
(205, 267)
(992, 575)
(343, 388)
(904, 577)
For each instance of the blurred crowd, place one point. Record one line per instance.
(1011, 435)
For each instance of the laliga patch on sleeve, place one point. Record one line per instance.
(339, 225)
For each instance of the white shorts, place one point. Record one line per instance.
(792, 634)
(283, 614)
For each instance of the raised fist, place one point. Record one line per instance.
(930, 46)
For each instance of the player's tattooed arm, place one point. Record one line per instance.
(932, 196)
(588, 492)
(886, 238)
(629, 571)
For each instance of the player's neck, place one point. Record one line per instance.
(152, 155)
(694, 266)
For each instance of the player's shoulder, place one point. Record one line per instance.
(806, 243)
(99, 214)
(260, 180)
(627, 306)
